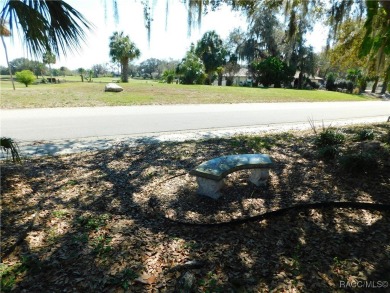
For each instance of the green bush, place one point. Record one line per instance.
(340, 83)
(331, 82)
(359, 162)
(273, 71)
(365, 134)
(328, 152)
(386, 137)
(350, 86)
(329, 137)
(191, 69)
(168, 76)
(25, 76)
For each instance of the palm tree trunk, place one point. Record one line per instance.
(6, 57)
(125, 70)
(51, 74)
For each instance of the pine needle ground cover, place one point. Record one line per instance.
(112, 221)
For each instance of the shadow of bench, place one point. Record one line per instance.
(210, 175)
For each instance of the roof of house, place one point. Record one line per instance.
(243, 72)
(311, 77)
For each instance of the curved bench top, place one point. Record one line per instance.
(218, 168)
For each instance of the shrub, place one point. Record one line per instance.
(25, 76)
(191, 69)
(330, 82)
(341, 83)
(272, 71)
(350, 86)
(386, 137)
(329, 137)
(229, 80)
(327, 152)
(365, 134)
(314, 85)
(168, 76)
(359, 162)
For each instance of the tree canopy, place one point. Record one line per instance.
(191, 69)
(25, 76)
(211, 50)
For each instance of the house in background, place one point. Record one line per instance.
(243, 77)
(313, 78)
(240, 78)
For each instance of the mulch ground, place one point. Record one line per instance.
(115, 220)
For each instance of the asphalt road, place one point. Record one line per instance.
(72, 123)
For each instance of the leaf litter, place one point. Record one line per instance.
(105, 221)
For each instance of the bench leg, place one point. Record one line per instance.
(259, 177)
(208, 187)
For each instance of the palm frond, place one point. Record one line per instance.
(9, 145)
(46, 25)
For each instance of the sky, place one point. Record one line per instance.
(168, 40)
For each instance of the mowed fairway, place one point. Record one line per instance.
(141, 92)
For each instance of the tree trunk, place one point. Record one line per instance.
(125, 70)
(51, 74)
(300, 80)
(6, 57)
(208, 79)
(386, 81)
(220, 76)
(376, 80)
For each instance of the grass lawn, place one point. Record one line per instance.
(75, 93)
(112, 221)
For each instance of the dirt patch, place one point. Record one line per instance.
(97, 222)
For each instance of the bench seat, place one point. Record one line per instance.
(210, 174)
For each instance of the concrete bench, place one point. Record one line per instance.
(210, 175)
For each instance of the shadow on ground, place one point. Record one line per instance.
(97, 222)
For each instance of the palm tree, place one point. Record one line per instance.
(211, 50)
(123, 50)
(81, 71)
(4, 32)
(45, 25)
(49, 58)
